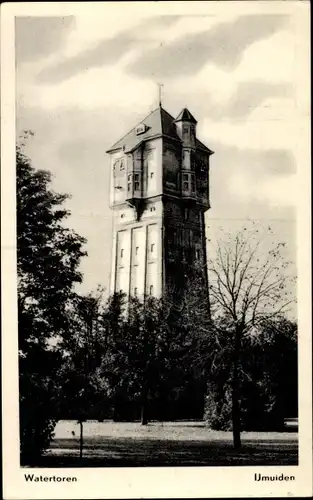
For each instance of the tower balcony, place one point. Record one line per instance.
(188, 194)
(134, 188)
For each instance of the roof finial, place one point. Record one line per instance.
(160, 85)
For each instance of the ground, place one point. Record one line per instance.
(108, 444)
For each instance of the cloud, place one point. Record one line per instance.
(245, 98)
(223, 45)
(38, 37)
(106, 52)
(245, 178)
(249, 96)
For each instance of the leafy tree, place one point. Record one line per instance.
(143, 363)
(131, 360)
(48, 256)
(268, 378)
(248, 286)
(270, 362)
(83, 390)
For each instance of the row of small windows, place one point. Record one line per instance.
(135, 291)
(188, 182)
(136, 181)
(152, 248)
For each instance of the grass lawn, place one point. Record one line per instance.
(109, 444)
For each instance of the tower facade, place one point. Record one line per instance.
(159, 194)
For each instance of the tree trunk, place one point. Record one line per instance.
(81, 440)
(144, 394)
(235, 394)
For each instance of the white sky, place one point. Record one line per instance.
(82, 83)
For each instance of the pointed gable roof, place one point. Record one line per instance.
(185, 116)
(158, 123)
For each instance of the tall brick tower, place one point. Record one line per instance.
(159, 195)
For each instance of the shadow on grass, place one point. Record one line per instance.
(128, 452)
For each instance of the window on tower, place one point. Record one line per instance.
(185, 182)
(136, 250)
(122, 253)
(137, 182)
(129, 183)
(135, 292)
(151, 290)
(152, 247)
(188, 183)
(193, 184)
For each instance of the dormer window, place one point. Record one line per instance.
(140, 129)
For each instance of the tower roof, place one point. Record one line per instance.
(159, 123)
(185, 116)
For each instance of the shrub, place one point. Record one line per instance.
(217, 409)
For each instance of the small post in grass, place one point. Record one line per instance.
(81, 439)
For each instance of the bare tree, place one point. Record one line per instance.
(249, 284)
